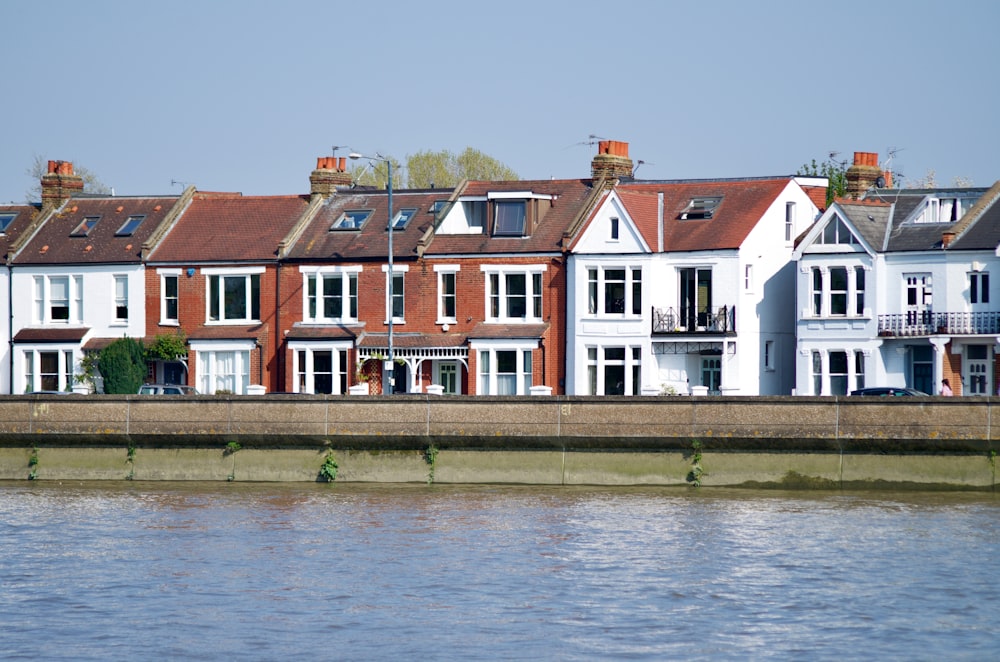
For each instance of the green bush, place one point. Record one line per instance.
(123, 366)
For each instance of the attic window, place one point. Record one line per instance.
(130, 226)
(5, 220)
(510, 216)
(351, 219)
(437, 206)
(85, 227)
(700, 208)
(402, 218)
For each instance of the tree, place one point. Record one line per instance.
(376, 173)
(834, 171)
(473, 164)
(39, 167)
(442, 169)
(123, 365)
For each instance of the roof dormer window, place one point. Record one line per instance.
(510, 216)
(700, 208)
(85, 227)
(402, 217)
(351, 219)
(130, 226)
(5, 220)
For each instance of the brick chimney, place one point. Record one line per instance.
(612, 161)
(863, 174)
(330, 173)
(59, 183)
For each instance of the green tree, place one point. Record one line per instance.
(376, 173)
(473, 164)
(167, 347)
(442, 169)
(834, 171)
(91, 183)
(123, 365)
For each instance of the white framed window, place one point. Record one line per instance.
(169, 296)
(331, 294)
(510, 218)
(838, 373)
(514, 293)
(447, 299)
(222, 366)
(47, 369)
(836, 232)
(748, 278)
(838, 291)
(614, 291)
(447, 375)
(320, 368)
(817, 373)
(614, 229)
(789, 221)
(614, 370)
(769, 355)
(233, 295)
(395, 297)
(121, 298)
(859, 369)
(505, 367)
(817, 291)
(979, 287)
(58, 299)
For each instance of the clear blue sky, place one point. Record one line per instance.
(243, 95)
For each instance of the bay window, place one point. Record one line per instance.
(513, 293)
(505, 369)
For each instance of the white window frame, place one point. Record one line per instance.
(979, 282)
(205, 361)
(29, 372)
(304, 375)
(247, 273)
(444, 270)
(42, 298)
(120, 300)
(349, 274)
(502, 271)
(164, 274)
(853, 295)
(487, 380)
(789, 221)
(597, 361)
(398, 272)
(597, 291)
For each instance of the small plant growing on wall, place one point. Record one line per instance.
(696, 472)
(33, 464)
(231, 449)
(430, 457)
(328, 470)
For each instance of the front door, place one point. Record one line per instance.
(696, 297)
(977, 367)
(711, 375)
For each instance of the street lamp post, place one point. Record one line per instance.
(390, 362)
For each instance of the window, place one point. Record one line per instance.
(514, 295)
(838, 291)
(838, 373)
(859, 290)
(817, 373)
(58, 299)
(402, 217)
(944, 210)
(614, 229)
(6, 220)
(789, 220)
(168, 297)
(510, 216)
(614, 370)
(85, 226)
(504, 371)
(331, 296)
(979, 287)
(859, 369)
(817, 291)
(130, 226)
(437, 206)
(769, 355)
(837, 232)
(614, 291)
(121, 298)
(223, 370)
(475, 212)
(50, 370)
(351, 219)
(748, 277)
(447, 299)
(700, 208)
(395, 294)
(234, 298)
(320, 371)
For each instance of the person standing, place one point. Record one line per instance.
(945, 388)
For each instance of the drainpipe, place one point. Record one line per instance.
(10, 327)
(279, 353)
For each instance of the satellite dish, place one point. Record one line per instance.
(880, 182)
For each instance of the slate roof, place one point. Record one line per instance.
(572, 197)
(55, 242)
(414, 340)
(870, 219)
(301, 331)
(487, 330)
(23, 216)
(982, 229)
(317, 241)
(230, 227)
(743, 203)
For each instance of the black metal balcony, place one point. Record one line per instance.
(927, 323)
(721, 320)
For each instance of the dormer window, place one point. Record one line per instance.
(700, 208)
(5, 220)
(510, 215)
(130, 226)
(402, 217)
(837, 232)
(437, 206)
(944, 210)
(351, 219)
(85, 227)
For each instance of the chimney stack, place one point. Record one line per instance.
(59, 183)
(863, 174)
(330, 173)
(612, 161)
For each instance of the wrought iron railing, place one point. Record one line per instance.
(927, 323)
(718, 320)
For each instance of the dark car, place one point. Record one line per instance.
(167, 389)
(887, 390)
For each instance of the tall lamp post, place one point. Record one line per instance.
(390, 362)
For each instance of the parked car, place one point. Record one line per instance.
(887, 390)
(167, 389)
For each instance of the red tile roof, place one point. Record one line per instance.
(230, 227)
(417, 340)
(226, 332)
(54, 243)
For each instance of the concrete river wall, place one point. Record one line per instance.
(791, 442)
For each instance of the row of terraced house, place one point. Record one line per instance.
(607, 285)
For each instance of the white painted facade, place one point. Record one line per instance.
(93, 298)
